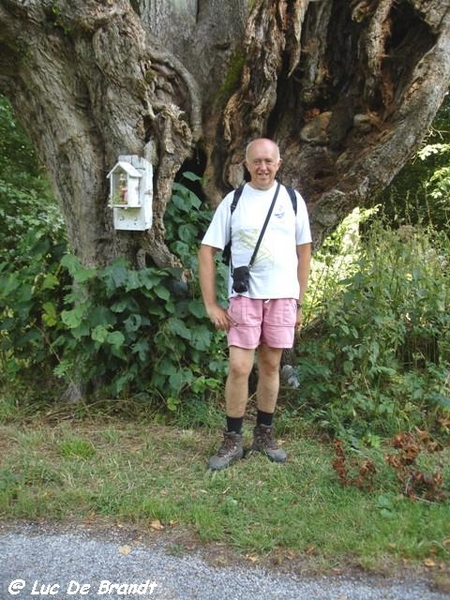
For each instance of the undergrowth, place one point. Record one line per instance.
(374, 356)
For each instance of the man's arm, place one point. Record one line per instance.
(304, 264)
(207, 279)
(303, 268)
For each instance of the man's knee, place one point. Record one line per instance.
(240, 363)
(269, 360)
(238, 370)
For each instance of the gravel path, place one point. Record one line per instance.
(40, 562)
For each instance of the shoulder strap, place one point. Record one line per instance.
(237, 194)
(258, 243)
(290, 190)
(238, 191)
(226, 254)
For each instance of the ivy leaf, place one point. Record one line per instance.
(116, 339)
(201, 339)
(133, 323)
(50, 316)
(187, 233)
(99, 334)
(166, 367)
(76, 269)
(133, 281)
(197, 308)
(115, 275)
(179, 328)
(50, 282)
(162, 292)
(12, 283)
(73, 318)
(191, 176)
(141, 348)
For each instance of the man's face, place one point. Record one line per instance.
(262, 163)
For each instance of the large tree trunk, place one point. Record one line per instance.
(348, 88)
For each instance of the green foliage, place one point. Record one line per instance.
(18, 161)
(27, 208)
(132, 332)
(419, 194)
(137, 332)
(438, 184)
(32, 238)
(376, 358)
(30, 299)
(185, 220)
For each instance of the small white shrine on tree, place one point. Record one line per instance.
(131, 193)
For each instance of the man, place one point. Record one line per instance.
(265, 316)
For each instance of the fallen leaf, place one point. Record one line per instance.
(251, 557)
(156, 525)
(125, 550)
(429, 562)
(89, 519)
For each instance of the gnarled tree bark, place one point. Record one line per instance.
(347, 88)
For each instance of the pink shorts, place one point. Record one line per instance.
(256, 322)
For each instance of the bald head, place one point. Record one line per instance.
(262, 159)
(262, 142)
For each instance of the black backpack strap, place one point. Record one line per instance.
(238, 191)
(292, 196)
(226, 254)
(236, 196)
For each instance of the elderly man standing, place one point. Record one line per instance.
(265, 301)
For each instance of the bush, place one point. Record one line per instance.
(137, 332)
(375, 357)
(118, 331)
(33, 240)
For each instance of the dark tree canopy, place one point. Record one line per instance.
(348, 88)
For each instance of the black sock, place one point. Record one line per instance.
(264, 418)
(235, 424)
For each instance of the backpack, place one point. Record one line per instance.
(226, 254)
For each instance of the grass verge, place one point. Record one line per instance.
(155, 476)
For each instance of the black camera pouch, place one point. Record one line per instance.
(241, 279)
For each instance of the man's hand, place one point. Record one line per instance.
(219, 317)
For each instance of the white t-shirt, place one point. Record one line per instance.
(274, 271)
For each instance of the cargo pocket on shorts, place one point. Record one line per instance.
(283, 313)
(244, 311)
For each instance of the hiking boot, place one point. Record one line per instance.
(231, 449)
(264, 442)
